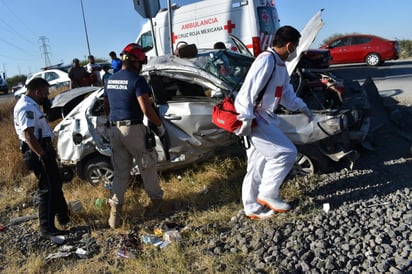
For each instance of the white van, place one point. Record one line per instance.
(206, 22)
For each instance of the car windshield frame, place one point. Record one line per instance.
(228, 66)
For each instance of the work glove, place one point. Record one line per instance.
(308, 113)
(245, 129)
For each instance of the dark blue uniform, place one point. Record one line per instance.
(122, 89)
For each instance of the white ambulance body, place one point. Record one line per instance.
(206, 22)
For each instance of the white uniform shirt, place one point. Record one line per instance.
(27, 113)
(279, 89)
(90, 68)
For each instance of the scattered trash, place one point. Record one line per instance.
(204, 190)
(326, 207)
(158, 231)
(129, 246)
(172, 236)
(74, 243)
(58, 239)
(76, 207)
(82, 253)
(66, 248)
(2, 228)
(125, 253)
(59, 254)
(179, 177)
(150, 239)
(98, 204)
(18, 189)
(164, 244)
(22, 219)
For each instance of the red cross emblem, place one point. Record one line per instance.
(174, 37)
(265, 17)
(229, 26)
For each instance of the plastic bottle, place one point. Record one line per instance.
(98, 204)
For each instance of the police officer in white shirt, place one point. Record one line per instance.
(39, 155)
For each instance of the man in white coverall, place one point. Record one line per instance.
(271, 154)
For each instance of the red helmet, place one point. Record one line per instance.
(134, 50)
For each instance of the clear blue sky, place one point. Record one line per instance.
(113, 24)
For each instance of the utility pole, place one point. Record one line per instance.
(85, 28)
(45, 52)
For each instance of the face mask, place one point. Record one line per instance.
(291, 55)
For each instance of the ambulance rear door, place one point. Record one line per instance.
(263, 15)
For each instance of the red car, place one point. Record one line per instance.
(359, 48)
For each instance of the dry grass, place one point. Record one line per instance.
(209, 192)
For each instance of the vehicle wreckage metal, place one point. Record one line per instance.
(184, 91)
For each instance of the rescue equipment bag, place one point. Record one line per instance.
(224, 115)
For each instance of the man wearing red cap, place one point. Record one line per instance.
(126, 101)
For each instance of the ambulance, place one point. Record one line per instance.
(204, 23)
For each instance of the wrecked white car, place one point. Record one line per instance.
(184, 92)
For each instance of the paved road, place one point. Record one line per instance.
(393, 78)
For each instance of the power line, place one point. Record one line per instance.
(18, 19)
(13, 31)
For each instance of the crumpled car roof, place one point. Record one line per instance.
(64, 102)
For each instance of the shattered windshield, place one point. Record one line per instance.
(227, 66)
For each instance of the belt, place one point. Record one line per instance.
(47, 141)
(125, 123)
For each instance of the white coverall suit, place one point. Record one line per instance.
(272, 154)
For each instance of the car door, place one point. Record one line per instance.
(359, 48)
(184, 101)
(51, 77)
(338, 49)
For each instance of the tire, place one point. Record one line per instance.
(99, 170)
(303, 166)
(373, 59)
(309, 161)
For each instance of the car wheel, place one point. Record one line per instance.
(309, 161)
(373, 59)
(303, 166)
(99, 170)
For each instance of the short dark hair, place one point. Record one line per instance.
(285, 35)
(37, 83)
(112, 53)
